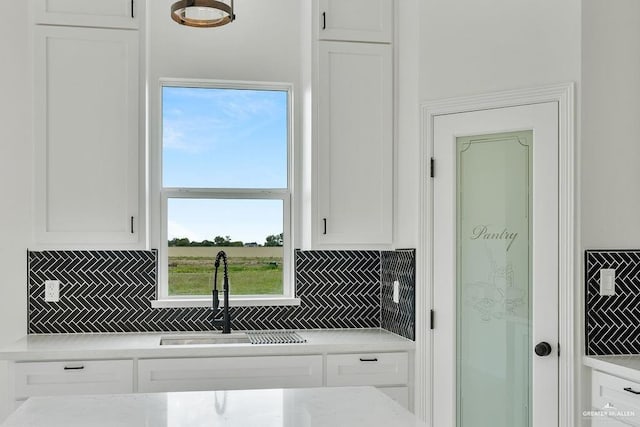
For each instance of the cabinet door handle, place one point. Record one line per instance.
(630, 390)
(132, 232)
(365, 359)
(132, 13)
(324, 220)
(324, 20)
(74, 368)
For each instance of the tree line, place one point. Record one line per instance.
(270, 241)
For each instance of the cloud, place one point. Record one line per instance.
(233, 104)
(177, 136)
(171, 137)
(179, 231)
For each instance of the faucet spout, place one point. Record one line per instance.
(225, 322)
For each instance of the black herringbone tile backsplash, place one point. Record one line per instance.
(612, 323)
(110, 291)
(399, 318)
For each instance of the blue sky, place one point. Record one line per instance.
(222, 138)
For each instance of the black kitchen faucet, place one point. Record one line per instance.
(225, 322)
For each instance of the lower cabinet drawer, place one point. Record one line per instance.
(73, 377)
(614, 398)
(377, 369)
(229, 373)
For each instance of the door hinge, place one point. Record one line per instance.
(431, 318)
(433, 167)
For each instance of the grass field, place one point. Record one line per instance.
(248, 275)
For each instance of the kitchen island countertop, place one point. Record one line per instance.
(625, 366)
(317, 407)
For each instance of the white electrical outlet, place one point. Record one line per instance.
(52, 290)
(607, 281)
(396, 291)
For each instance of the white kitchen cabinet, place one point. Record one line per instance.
(86, 133)
(354, 150)
(355, 20)
(72, 377)
(379, 369)
(614, 400)
(87, 13)
(126, 363)
(229, 373)
(387, 371)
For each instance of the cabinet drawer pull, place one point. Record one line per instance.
(630, 390)
(74, 368)
(324, 20)
(132, 13)
(132, 231)
(324, 220)
(365, 359)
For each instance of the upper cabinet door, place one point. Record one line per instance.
(87, 13)
(86, 136)
(355, 20)
(354, 156)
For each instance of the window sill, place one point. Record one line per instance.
(233, 302)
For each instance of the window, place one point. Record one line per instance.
(226, 173)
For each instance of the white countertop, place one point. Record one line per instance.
(317, 407)
(132, 345)
(625, 366)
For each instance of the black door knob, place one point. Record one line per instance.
(543, 349)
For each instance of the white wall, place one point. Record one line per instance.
(263, 44)
(469, 47)
(611, 124)
(15, 178)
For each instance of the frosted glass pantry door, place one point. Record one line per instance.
(495, 268)
(494, 279)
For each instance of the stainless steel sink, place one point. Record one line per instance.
(205, 339)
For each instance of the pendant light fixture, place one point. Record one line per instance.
(203, 13)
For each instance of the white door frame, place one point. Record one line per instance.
(563, 94)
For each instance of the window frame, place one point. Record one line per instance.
(288, 297)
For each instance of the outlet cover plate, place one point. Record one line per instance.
(607, 281)
(52, 290)
(396, 291)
